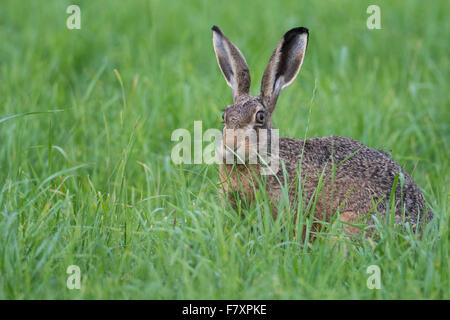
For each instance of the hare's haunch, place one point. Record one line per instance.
(354, 179)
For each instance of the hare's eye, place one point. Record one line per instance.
(223, 115)
(260, 117)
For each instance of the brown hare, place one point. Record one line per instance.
(356, 180)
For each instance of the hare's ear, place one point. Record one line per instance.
(284, 65)
(232, 63)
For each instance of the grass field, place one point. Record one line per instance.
(86, 177)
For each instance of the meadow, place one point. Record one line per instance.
(86, 118)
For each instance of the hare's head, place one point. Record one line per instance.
(248, 115)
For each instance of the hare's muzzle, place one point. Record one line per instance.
(240, 145)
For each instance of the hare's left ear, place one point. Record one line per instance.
(284, 65)
(232, 63)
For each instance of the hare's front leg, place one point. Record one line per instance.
(226, 196)
(226, 186)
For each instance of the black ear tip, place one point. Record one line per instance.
(298, 30)
(302, 30)
(216, 29)
(293, 33)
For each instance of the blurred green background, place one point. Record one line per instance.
(86, 179)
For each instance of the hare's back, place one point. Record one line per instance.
(368, 173)
(317, 153)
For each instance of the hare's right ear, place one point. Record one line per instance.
(232, 63)
(284, 65)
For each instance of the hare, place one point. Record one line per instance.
(355, 180)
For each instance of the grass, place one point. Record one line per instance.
(85, 172)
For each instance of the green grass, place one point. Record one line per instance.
(85, 172)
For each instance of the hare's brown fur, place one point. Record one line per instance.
(356, 180)
(363, 176)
